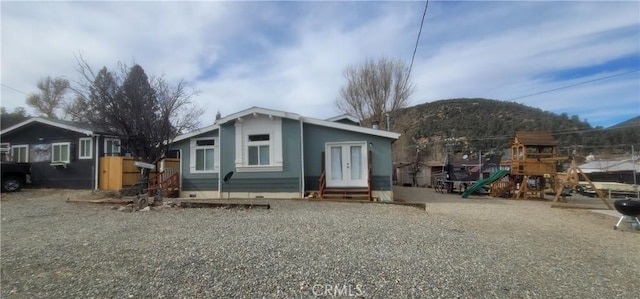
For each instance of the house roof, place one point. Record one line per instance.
(344, 116)
(609, 166)
(63, 124)
(277, 113)
(535, 138)
(196, 132)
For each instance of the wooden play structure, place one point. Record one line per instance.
(534, 156)
(569, 181)
(533, 164)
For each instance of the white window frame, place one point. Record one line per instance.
(5, 148)
(194, 147)
(53, 151)
(258, 144)
(258, 124)
(89, 150)
(26, 158)
(108, 152)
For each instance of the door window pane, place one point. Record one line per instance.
(356, 162)
(336, 163)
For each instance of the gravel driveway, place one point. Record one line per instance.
(476, 248)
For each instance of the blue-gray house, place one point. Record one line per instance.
(277, 154)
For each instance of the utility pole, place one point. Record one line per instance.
(480, 176)
(634, 158)
(386, 115)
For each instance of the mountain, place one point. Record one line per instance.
(489, 125)
(634, 122)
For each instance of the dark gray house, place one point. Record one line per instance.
(277, 154)
(62, 154)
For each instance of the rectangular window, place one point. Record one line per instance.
(60, 153)
(111, 147)
(259, 155)
(203, 155)
(5, 151)
(86, 148)
(258, 146)
(204, 159)
(205, 142)
(5, 148)
(260, 137)
(20, 153)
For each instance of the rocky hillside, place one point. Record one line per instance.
(489, 125)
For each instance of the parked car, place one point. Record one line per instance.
(14, 176)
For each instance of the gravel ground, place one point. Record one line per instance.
(476, 248)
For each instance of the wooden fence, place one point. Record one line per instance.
(119, 172)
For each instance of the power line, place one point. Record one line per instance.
(552, 133)
(14, 89)
(572, 85)
(424, 14)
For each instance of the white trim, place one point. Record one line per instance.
(80, 155)
(97, 164)
(193, 147)
(196, 132)
(259, 168)
(346, 165)
(254, 111)
(351, 128)
(26, 160)
(5, 148)
(344, 116)
(47, 122)
(258, 125)
(53, 150)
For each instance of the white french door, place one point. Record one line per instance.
(346, 164)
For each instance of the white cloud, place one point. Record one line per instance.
(291, 55)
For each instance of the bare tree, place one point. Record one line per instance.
(374, 89)
(51, 96)
(146, 113)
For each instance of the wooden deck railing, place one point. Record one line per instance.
(323, 183)
(167, 181)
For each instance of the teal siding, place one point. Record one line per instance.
(262, 185)
(315, 138)
(195, 181)
(287, 180)
(200, 184)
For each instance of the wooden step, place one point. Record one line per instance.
(346, 193)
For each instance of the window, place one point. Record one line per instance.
(5, 151)
(60, 152)
(258, 149)
(86, 148)
(259, 144)
(20, 153)
(204, 155)
(111, 147)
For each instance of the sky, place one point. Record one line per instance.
(575, 57)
